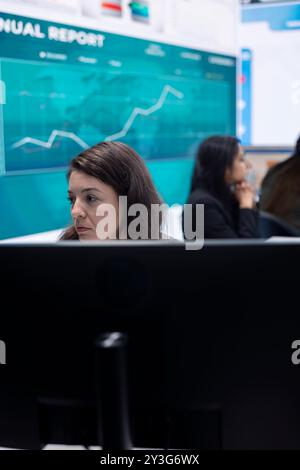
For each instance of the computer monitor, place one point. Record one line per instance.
(210, 342)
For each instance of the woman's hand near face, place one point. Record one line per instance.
(245, 195)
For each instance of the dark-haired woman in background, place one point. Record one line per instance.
(219, 182)
(98, 176)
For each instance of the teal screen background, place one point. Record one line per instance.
(163, 100)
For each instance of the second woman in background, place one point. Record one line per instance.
(219, 182)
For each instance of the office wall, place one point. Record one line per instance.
(157, 75)
(270, 107)
(264, 158)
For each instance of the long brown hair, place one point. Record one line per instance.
(280, 191)
(119, 166)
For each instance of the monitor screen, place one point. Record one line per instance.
(210, 334)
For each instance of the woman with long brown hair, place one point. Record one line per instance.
(97, 178)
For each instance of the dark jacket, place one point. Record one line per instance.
(221, 221)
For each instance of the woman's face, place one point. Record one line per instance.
(86, 194)
(239, 169)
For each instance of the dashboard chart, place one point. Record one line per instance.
(66, 84)
(68, 89)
